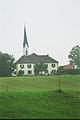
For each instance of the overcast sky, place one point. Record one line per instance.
(52, 26)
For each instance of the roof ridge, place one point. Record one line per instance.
(53, 59)
(33, 54)
(44, 55)
(19, 58)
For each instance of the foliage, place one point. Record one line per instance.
(40, 104)
(6, 64)
(21, 72)
(60, 70)
(74, 56)
(72, 71)
(53, 72)
(39, 68)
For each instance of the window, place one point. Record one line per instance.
(29, 66)
(53, 65)
(21, 66)
(52, 71)
(29, 72)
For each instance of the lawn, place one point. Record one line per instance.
(38, 97)
(39, 82)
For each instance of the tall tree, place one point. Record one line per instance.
(39, 68)
(74, 56)
(6, 64)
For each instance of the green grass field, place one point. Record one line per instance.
(39, 82)
(38, 97)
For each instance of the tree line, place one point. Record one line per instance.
(6, 64)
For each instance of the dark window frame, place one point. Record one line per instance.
(29, 65)
(21, 66)
(29, 72)
(53, 65)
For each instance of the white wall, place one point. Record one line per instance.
(50, 68)
(25, 69)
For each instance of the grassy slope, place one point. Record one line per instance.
(40, 104)
(39, 82)
(36, 97)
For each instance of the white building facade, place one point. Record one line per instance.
(27, 63)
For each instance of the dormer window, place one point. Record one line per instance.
(29, 66)
(53, 65)
(21, 66)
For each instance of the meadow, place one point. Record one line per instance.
(39, 97)
(69, 82)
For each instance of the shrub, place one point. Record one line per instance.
(72, 71)
(21, 72)
(69, 71)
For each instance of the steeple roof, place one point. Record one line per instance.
(25, 39)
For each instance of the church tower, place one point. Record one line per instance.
(25, 43)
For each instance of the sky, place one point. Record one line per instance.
(52, 27)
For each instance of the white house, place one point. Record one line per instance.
(27, 62)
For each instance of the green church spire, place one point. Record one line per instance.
(25, 38)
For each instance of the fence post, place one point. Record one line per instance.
(7, 86)
(59, 83)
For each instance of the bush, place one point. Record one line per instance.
(21, 72)
(69, 71)
(60, 71)
(72, 71)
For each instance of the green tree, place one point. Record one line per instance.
(60, 70)
(36, 69)
(74, 56)
(6, 64)
(21, 72)
(39, 68)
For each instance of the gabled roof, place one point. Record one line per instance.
(34, 58)
(70, 66)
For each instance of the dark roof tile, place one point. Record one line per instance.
(34, 58)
